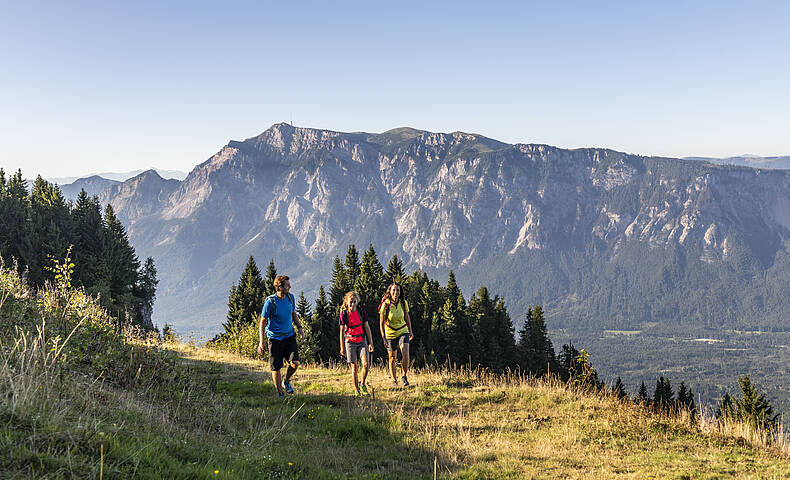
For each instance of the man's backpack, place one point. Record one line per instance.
(290, 298)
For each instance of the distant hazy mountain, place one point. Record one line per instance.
(601, 238)
(754, 161)
(92, 186)
(120, 177)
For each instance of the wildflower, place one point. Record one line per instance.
(216, 472)
(290, 464)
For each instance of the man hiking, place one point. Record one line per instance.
(277, 320)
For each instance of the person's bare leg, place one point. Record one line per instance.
(289, 372)
(277, 379)
(364, 361)
(405, 358)
(393, 363)
(355, 373)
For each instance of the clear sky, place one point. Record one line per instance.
(115, 86)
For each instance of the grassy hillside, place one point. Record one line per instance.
(110, 403)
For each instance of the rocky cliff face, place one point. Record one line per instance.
(535, 223)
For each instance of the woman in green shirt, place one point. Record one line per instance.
(396, 331)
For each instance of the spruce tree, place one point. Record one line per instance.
(268, 282)
(526, 357)
(395, 272)
(486, 348)
(641, 396)
(91, 269)
(122, 265)
(539, 349)
(352, 266)
(340, 286)
(330, 331)
(619, 389)
(50, 229)
(246, 299)
(310, 346)
(370, 282)
(663, 395)
(752, 408)
(145, 291)
(14, 227)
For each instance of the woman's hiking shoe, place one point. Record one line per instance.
(395, 382)
(405, 381)
(357, 393)
(288, 387)
(364, 389)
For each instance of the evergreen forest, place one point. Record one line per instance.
(38, 226)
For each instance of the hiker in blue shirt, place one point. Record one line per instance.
(277, 321)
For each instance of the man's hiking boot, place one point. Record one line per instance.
(364, 389)
(288, 387)
(280, 395)
(395, 382)
(405, 381)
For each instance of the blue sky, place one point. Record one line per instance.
(114, 86)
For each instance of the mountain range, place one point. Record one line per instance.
(117, 176)
(602, 239)
(755, 161)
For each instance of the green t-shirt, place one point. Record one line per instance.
(395, 325)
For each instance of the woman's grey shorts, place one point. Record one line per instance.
(355, 351)
(393, 344)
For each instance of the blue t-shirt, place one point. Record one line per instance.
(279, 313)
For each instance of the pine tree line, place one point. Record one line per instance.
(447, 328)
(40, 225)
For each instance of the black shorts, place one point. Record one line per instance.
(393, 344)
(285, 349)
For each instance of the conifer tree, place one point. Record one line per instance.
(618, 389)
(310, 346)
(395, 272)
(527, 356)
(246, 299)
(370, 282)
(268, 282)
(14, 227)
(50, 228)
(505, 335)
(340, 285)
(91, 270)
(352, 266)
(663, 395)
(642, 397)
(145, 291)
(122, 264)
(535, 346)
(568, 361)
(753, 407)
(330, 331)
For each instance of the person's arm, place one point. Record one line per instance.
(261, 326)
(408, 324)
(370, 337)
(342, 343)
(381, 324)
(298, 324)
